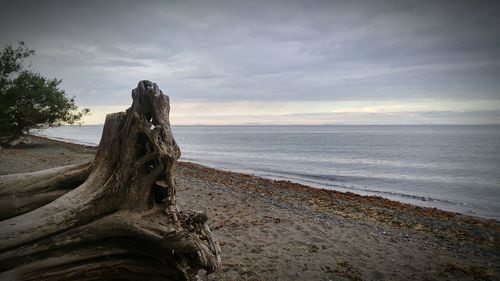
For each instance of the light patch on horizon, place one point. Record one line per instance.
(355, 118)
(347, 112)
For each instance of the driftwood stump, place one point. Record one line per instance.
(113, 218)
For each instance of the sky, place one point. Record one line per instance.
(272, 62)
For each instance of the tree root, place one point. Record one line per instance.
(114, 218)
(21, 193)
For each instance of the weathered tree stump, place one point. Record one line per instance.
(113, 218)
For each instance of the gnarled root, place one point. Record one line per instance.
(21, 193)
(121, 221)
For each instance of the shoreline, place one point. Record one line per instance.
(280, 230)
(404, 199)
(286, 183)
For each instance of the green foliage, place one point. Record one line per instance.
(11, 61)
(29, 100)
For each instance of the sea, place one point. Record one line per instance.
(450, 167)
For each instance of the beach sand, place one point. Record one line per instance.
(278, 230)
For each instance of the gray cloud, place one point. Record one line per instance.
(264, 50)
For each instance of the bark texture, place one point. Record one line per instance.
(114, 218)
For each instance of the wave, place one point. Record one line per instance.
(336, 182)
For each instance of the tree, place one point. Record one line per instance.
(28, 100)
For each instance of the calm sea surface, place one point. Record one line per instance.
(455, 168)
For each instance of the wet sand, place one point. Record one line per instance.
(278, 230)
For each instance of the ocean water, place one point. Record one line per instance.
(455, 168)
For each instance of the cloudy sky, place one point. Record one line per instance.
(272, 62)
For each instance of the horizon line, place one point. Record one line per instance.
(264, 124)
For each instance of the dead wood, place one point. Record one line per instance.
(115, 218)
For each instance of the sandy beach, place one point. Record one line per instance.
(279, 230)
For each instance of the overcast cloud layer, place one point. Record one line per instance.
(277, 62)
